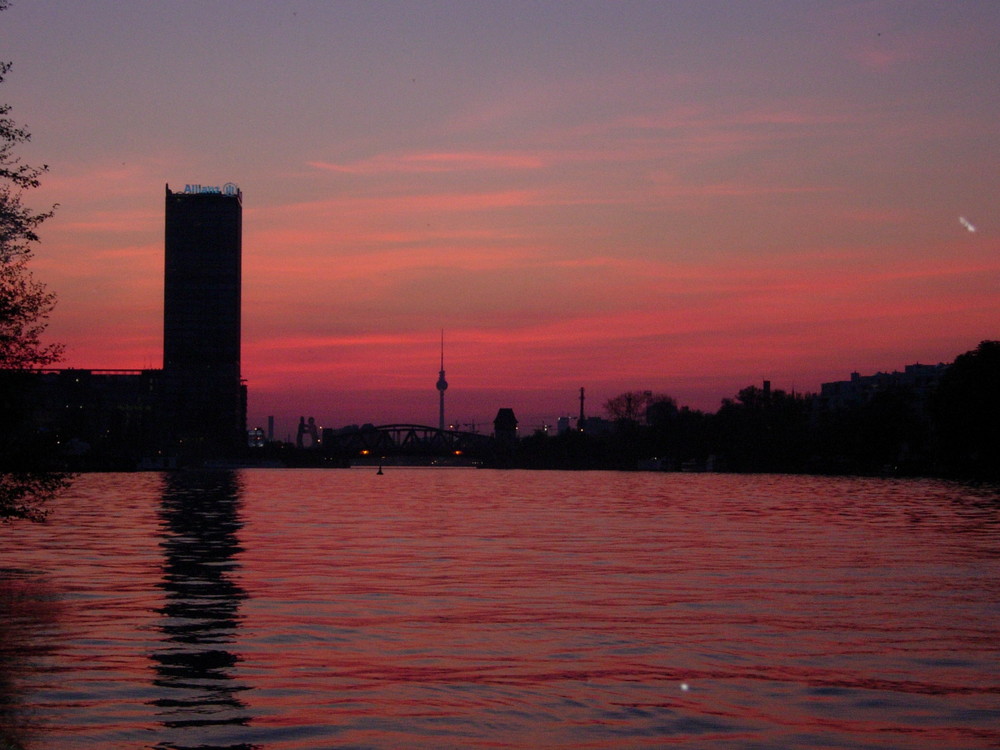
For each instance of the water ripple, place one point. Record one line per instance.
(312, 609)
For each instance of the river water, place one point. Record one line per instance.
(449, 608)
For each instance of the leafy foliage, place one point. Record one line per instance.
(634, 406)
(24, 494)
(897, 429)
(25, 304)
(967, 413)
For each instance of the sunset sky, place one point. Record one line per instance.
(684, 197)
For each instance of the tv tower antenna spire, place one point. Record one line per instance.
(442, 386)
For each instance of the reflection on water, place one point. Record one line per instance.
(28, 618)
(306, 610)
(200, 515)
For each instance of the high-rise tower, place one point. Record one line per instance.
(204, 400)
(442, 386)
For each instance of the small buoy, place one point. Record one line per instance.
(685, 686)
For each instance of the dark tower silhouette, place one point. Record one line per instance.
(203, 396)
(579, 424)
(442, 386)
(505, 428)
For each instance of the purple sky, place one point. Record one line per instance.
(687, 197)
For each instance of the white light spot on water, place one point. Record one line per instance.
(685, 687)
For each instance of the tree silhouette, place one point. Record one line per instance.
(25, 305)
(763, 430)
(633, 406)
(966, 410)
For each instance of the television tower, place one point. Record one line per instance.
(442, 386)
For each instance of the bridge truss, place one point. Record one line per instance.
(408, 440)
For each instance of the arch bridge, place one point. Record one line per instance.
(408, 440)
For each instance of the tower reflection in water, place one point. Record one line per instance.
(199, 694)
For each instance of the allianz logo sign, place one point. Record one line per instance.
(228, 189)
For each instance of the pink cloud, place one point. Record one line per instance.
(430, 162)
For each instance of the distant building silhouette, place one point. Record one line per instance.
(596, 426)
(203, 398)
(195, 407)
(860, 389)
(113, 414)
(562, 425)
(505, 428)
(308, 433)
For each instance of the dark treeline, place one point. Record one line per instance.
(954, 431)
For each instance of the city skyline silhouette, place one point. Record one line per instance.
(687, 198)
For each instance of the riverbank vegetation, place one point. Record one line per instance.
(952, 431)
